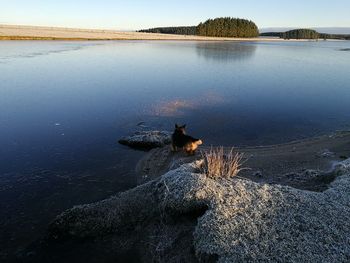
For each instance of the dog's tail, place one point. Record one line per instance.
(197, 141)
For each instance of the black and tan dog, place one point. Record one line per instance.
(180, 140)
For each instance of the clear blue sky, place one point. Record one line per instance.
(132, 14)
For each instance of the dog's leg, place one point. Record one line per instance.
(194, 148)
(189, 152)
(173, 147)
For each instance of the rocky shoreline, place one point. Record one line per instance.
(181, 215)
(225, 220)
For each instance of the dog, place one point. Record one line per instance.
(179, 140)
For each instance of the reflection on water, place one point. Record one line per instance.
(225, 51)
(180, 107)
(64, 105)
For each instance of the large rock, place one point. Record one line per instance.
(243, 222)
(147, 139)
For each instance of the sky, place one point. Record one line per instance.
(134, 15)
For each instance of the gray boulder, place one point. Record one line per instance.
(147, 139)
(243, 221)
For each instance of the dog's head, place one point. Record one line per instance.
(180, 129)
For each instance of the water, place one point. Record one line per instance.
(63, 106)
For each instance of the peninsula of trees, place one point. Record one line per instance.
(305, 34)
(335, 36)
(228, 27)
(301, 34)
(218, 27)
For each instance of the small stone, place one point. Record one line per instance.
(258, 174)
(325, 153)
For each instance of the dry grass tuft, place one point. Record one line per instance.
(217, 164)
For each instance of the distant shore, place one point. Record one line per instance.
(16, 32)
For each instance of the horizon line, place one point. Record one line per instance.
(2, 24)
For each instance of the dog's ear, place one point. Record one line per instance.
(176, 126)
(184, 126)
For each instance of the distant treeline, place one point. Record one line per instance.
(178, 30)
(218, 27)
(301, 34)
(272, 34)
(334, 36)
(305, 34)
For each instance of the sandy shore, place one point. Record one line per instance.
(15, 32)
